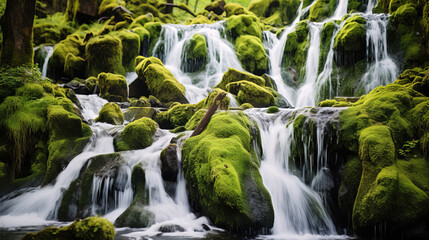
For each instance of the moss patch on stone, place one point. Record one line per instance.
(137, 135)
(111, 113)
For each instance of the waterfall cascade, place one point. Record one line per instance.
(299, 184)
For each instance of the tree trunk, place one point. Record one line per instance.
(206, 119)
(17, 26)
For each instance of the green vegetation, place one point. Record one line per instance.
(137, 135)
(112, 87)
(223, 176)
(251, 54)
(90, 228)
(111, 113)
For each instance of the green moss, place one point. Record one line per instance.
(112, 87)
(195, 50)
(195, 119)
(154, 29)
(243, 25)
(284, 10)
(130, 48)
(322, 9)
(251, 54)
(222, 174)
(136, 215)
(352, 37)
(352, 172)
(137, 135)
(160, 82)
(52, 29)
(233, 75)
(144, 39)
(234, 9)
(176, 116)
(111, 113)
(248, 92)
(107, 6)
(74, 66)
(104, 54)
(89, 228)
(273, 109)
(245, 106)
(295, 52)
(208, 101)
(72, 44)
(140, 21)
(134, 113)
(200, 19)
(333, 103)
(325, 43)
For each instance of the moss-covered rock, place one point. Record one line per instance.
(104, 54)
(222, 175)
(136, 215)
(322, 9)
(130, 47)
(157, 80)
(273, 109)
(208, 101)
(137, 135)
(178, 115)
(243, 25)
(195, 120)
(195, 52)
(72, 44)
(350, 42)
(333, 103)
(248, 92)
(106, 6)
(234, 9)
(74, 66)
(245, 106)
(144, 36)
(111, 113)
(199, 19)
(113, 87)
(134, 113)
(251, 54)
(284, 9)
(233, 75)
(90, 228)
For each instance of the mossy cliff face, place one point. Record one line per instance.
(390, 190)
(89, 228)
(222, 175)
(157, 80)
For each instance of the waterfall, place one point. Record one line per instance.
(299, 209)
(49, 51)
(341, 10)
(382, 70)
(36, 206)
(306, 93)
(220, 56)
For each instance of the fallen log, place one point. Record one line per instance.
(206, 119)
(183, 7)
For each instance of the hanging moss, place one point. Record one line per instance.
(137, 135)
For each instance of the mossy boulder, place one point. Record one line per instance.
(74, 66)
(144, 36)
(208, 101)
(284, 9)
(233, 75)
(90, 228)
(195, 52)
(232, 9)
(243, 25)
(136, 215)
(155, 79)
(111, 113)
(322, 9)
(104, 54)
(178, 115)
(130, 47)
(195, 120)
(113, 87)
(273, 109)
(106, 6)
(251, 54)
(222, 175)
(350, 42)
(248, 92)
(199, 19)
(72, 44)
(134, 113)
(137, 135)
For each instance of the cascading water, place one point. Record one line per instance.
(220, 57)
(298, 208)
(382, 70)
(48, 51)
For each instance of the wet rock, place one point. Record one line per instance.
(169, 163)
(171, 228)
